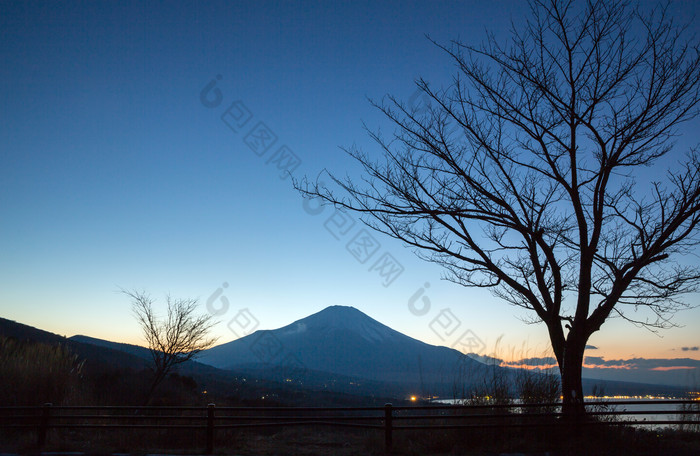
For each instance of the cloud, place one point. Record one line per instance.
(671, 368)
(532, 363)
(490, 360)
(299, 328)
(591, 347)
(632, 369)
(524, 363)
(681, 372)
(694, 349)
(597, 362)
(537, 361)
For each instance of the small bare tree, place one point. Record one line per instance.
(177, 338)
(523, 176)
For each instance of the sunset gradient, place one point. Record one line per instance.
(152, 147)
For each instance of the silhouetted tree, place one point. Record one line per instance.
(524, 175)
(175, 339)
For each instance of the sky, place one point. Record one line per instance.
(132, 159)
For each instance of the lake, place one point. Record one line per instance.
(634, 406)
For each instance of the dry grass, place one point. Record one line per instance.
(327, 441)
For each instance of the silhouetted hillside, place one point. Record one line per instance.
(97, 359)
(306, 353)
(117, 374)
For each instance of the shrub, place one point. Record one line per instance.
(35, 373)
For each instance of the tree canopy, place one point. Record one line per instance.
(536, 172)
(172, 340)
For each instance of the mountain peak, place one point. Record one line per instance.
(338, 313)
(345, 319)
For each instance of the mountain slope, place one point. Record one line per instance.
(122, 370)
(98, 358)
(190, 367)
(342, 340)
(342, 349)
(135, 350)
(345, 339)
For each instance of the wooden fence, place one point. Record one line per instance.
(388, 419)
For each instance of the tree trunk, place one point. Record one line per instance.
(571, 386)
(157, 379)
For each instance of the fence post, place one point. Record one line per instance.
(388, 424)
(43, 424)
(210, 428)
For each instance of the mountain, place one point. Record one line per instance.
(135, 350)
(118, 373)
(342, 349)
(344, 341)
(338, 356)
(98, 358)
(143, 354)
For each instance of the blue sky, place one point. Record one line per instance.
(115, 175)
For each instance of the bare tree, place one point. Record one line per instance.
(175, 339)
(531, 174)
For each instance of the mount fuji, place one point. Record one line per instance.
(344, 341)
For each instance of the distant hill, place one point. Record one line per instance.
(191, 367)
(97, 358)
(136, 350)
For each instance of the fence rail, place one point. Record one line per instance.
(388, 418)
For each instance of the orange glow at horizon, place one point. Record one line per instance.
(623, 366)
(528, 366)
(669, 368)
